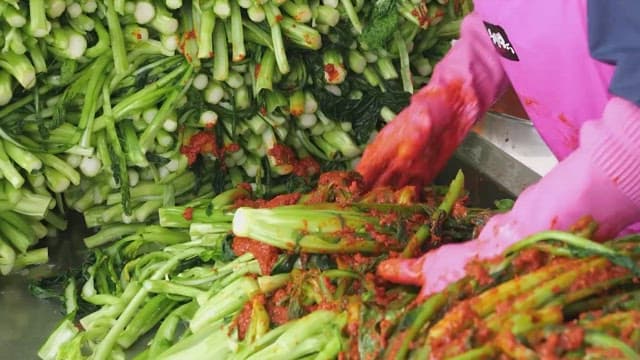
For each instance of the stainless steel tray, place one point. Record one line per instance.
(491, 173)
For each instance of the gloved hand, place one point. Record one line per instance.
(414, 147)
(600, 179)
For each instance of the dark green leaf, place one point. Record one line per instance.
(284, 264)
(156, 159)
(227, 249)
(381, 24)
(67, 70)
(219, 178)
(363, 113)
(321, 262)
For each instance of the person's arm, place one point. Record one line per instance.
(600, 179)
(473, 61)
(614, 30)
(415, 146)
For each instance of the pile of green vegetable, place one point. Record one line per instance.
(116, 108)
(294, 277)
(296, 286)
(172, 125)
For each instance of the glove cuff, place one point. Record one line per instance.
(615, 146)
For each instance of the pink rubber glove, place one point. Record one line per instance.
(415, 146)
(600, 179)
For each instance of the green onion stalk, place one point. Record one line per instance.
(529, 305)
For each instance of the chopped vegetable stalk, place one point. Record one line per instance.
(6, 90)
(17, 231)
(106, 345)
(334, 70)
(30, 258)
(144, 12)
(274, 17)
(296, 103)
(341, 141)
(7, 257)
(357, 61)
(151, 131)
(223, 303)
(19, 67)
(405, 69)
(222, 8)
(237, 36)
(205, 35)
(299, 10)
(386, 68)
(38, 25)
(290, 341)
(120, 61)
(212, 341)
(221, 53)
(154, 310)
(163, 21)
(300, 34)
(352, 15)
(13, 17)
(7, 169)
(64, 332)
(317, 228)
(91, 100)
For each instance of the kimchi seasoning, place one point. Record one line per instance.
(596, 352)
(306, 167)
(386, 218)
(597, 275)
(380, 195)
(459, 209)
(243, 320)
(280, 200)
(266, 255)
(529, 260)
(188, 35)
(203, 143)
(245, 186)
(284, 199)
(455, 334)
(382, 297)
(478, 272)
(353, 261)
(346, 180)
(323, 305)
(387, 195)
(388, 241)
(284, 155)
(188, 214)
(549, 348)
(331, 72)
(421, 13)
(395, 344)
(339, 187)
(572, 337)
(278, 313)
